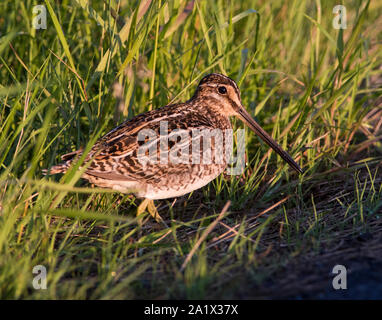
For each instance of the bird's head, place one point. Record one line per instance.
(224, 93)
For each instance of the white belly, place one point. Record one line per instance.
(153, 193)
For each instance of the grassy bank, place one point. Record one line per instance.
(315, 88)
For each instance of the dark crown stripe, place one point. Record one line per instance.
(219, 78)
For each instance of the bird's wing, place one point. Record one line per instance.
(116, 156)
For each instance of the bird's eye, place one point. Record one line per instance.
(222, 90)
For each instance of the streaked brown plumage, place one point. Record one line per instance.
(114, 160)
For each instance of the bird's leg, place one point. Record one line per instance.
(153, 211)
(142, 207)
(150, 206)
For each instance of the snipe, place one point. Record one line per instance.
(121, 160)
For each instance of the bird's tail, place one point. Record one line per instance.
(63, 167)
(60, 168)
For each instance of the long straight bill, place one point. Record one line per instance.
(246, 117)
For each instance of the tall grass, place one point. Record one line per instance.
(315, 88)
